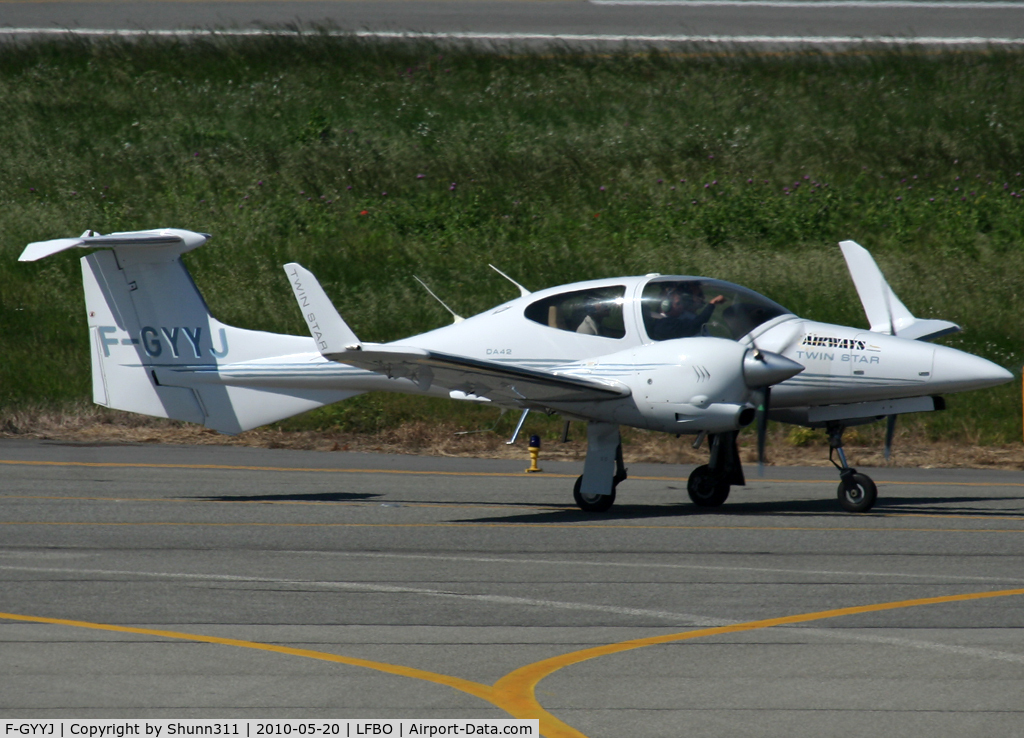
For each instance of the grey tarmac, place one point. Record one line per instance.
(215, 581)
(563, 22)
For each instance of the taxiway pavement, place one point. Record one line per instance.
(209, 582)
(771, 23)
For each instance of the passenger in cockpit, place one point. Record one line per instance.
(596, 310)
(687, 312)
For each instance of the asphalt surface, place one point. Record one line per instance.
(573, 22)
(214, 582)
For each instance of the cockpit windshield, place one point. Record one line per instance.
(678, 308)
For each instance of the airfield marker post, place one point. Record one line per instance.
(534, 449)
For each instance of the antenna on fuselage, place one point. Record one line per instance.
(523, 292)
(458, 318)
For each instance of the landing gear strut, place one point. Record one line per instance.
(603, 468)
(857, 493)
(708, 485)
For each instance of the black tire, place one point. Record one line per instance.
(705, 489)
(592, 503)
(861, 497)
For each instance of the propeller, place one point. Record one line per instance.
(890, 432)
(762, 369)
(762, 427)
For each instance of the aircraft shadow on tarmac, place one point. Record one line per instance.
(827, 506)
(680, 510)
(294, 497)
(951, 506)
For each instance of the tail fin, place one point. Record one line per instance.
(156, 349)
(884, 310)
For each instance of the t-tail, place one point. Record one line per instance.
(156, 349)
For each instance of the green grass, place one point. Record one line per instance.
(371, 162)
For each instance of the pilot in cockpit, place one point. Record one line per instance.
(686, 313)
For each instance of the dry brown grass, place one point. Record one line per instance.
(92, 424)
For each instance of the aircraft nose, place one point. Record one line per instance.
(957, 371)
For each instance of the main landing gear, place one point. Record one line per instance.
(708, 485)
(603, 469)
(857, 492)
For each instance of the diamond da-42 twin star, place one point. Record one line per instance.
(683, 355)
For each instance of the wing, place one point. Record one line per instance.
(501, 383)
(462, 376)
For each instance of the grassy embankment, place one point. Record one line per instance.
(369, 163)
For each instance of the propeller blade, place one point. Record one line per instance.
(762, 369)
(890, 432)
(762, 427)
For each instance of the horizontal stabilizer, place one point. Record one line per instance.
(886, 313)
(165, 237)
(500, 383)
(329, 330)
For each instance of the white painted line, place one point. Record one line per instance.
(647, 565)
(675, 618)
(524, 37)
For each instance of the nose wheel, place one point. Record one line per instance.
(857, 492)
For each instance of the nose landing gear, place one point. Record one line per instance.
(856, 492)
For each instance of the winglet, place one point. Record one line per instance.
(329, 330)
(886, 313)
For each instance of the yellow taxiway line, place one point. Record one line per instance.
(515, 693)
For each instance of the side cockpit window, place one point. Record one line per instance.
(594, 312)
(681, 308)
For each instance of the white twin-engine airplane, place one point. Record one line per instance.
(683, 355)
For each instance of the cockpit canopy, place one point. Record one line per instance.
(668, 307)
(682, 307)
(595, 312)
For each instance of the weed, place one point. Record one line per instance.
(371, 162)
